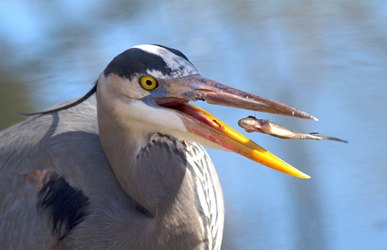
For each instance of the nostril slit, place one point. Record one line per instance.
(199, 98)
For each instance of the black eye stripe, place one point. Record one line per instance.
(140, 61)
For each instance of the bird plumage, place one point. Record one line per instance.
(69, 147)
(123, 169)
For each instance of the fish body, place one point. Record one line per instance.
(253, 124)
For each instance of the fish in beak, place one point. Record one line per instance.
(253, 124)
(199, 122)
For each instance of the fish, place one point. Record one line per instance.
(253, 124)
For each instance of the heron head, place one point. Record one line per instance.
(152, 86)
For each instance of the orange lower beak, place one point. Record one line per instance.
(202, 123)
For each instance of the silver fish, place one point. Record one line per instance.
(253, 124)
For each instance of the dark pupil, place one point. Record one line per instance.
(148, 82)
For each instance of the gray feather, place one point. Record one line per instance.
(66, 143)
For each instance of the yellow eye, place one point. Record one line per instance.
(148, 83)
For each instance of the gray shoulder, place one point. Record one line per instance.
(44, 162)
(26, 146)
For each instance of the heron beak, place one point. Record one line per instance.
(200, 122)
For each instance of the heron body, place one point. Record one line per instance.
(124, 169)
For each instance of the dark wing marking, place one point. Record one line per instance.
(65, 205)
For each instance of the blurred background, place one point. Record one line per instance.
(326, 57)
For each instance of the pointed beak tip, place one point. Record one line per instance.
(304, 176)
(296, 173)
(290, 170)
(314, 118)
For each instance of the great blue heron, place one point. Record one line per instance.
(125, 170)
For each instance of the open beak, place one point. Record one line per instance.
(201, 123)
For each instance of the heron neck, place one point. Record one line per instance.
(172, 179)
